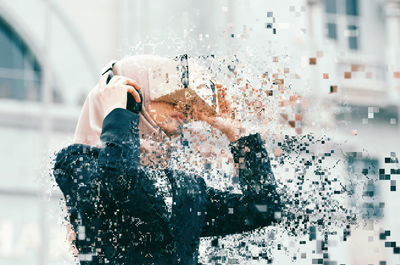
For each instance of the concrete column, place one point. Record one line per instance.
(45, 131)
(392, 12)
(144, 25)
(315, 22)
(315, 33)
(231, 27)
(392, 45)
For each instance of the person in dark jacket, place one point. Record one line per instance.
(125, 204)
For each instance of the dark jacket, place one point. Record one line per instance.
(120, 218)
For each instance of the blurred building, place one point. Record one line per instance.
(361, 39)
(37, 114)
(51, 53)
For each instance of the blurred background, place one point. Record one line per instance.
(52, 53)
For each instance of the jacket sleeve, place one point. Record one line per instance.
(73, 166)
(258, 205)
(80, 170)
(121, 144)
(119, 152)
(73, 170)
(119, 155)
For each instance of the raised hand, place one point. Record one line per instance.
(113, 94)
(225, 119)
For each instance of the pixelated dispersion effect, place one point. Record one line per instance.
(327, 192)
(323, 199)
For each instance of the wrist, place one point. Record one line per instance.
(108, 109)
(236, 133)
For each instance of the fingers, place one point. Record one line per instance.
(131, 82)
(131, 86)
(122, 80)
(223, 102)
(204, 117)
(118, 81)
(134, 93)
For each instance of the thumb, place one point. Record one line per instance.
(209, 119)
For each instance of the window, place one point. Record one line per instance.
(352, 37)
(20, 73)
(342, 23)
(330, 6)
(363, 176)
(357, 114)
(332, 31)
(352, 7)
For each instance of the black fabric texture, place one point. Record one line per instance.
(119, 217)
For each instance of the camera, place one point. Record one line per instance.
(131, 103)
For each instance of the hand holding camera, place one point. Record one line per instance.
(120, 92)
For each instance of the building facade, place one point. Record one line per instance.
(51, 54)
